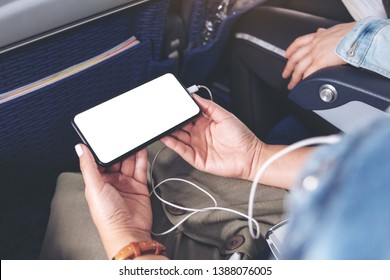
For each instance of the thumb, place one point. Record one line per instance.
(89, 168)
(212, 109)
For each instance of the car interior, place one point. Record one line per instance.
(58, 58)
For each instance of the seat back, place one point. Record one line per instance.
(36, 137)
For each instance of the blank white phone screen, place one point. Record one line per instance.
(128, 121)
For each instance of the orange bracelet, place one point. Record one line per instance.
(136, 249)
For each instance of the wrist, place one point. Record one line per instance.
(113, 242)
(142, 250)
(289, 166)
(257, 160)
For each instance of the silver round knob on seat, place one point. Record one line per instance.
(328, 93)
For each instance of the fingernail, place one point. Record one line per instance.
(79, 150)
(235, 257)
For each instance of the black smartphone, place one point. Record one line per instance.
(126, 123)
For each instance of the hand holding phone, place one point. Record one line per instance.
(135, 119)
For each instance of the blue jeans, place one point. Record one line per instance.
(340, 207)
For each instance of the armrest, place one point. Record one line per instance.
(344, 96)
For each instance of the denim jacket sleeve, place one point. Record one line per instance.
(368, 46)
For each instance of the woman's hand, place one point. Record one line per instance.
(314, 51)
(217, 142)
(118, 199)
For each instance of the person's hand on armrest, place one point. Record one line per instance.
(314, 51)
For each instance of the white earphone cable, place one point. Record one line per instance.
(332, 139)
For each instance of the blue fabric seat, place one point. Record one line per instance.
(36, 137)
